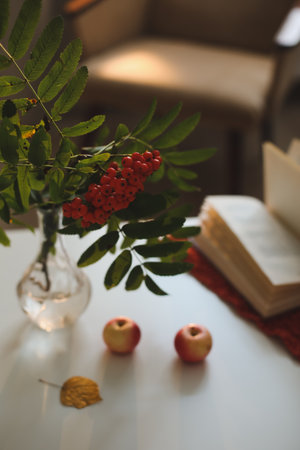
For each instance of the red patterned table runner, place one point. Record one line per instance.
(285, 326)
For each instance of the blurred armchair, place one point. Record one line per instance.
(232, 61)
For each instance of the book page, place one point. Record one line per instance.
(294, 151)
(274, 248)
(282, 185)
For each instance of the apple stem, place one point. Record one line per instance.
(49, 383)
(121, 323)
(194, 331)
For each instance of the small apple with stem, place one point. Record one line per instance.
(121, 334)
(193, 342)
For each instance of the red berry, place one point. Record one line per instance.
(127, 161)
(156, 163)
(156, 153)
(105, 179)
(114, 165)
(121, 184)
(136, 156)
(147, 155)
(111, 172)
(126, 172)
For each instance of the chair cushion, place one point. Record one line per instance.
(221, 83)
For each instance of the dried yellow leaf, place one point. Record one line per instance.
(28, 134)
(79, 392)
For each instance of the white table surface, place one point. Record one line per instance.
(246, 396)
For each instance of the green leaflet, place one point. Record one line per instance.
(122, 130)
(145, 205)
(44, 49)
(178, 133)
(71, 94)
(24, 187)
(118, 269)
(9, 109)
(84, 127)
(40, 147)
(4, 15)
(4, 240)
(10, 85)
(56, 178)
(4, 62)
(64, 153)
(158, 126)
(93, 160)
(153, 228)
(158, 174)
(168, 268)
(179, 182)
(36, 179)
(7, 177)
(185, 173)
(4, 210)
(135, 279)
(60, 72)
(159, 250)
(152, 286)
(188, 157)
(23, 30)
(8, 142)
(98, 249)
(186, 232)
(146, 120)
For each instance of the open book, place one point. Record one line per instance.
(257, 245)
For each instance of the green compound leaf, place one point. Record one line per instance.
(146, 120)
(40, 147)
(23, 30)
(178, 133)
(188, 157)
(8, 142)
(118, 269)
(4, 15)
(44, 49)
(7, 177)
(24, 187)
(98, 249)
(84, 127)
(71, 94)
(185, 173)
(186, 232)
(152, 286)
(60, 72)
(159, 250)
(135, 279)
(158, 126)
(10, 85)
(4, 240)
(127, 242)
(168, 268)
(153, 228)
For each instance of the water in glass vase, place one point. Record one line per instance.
(53, 291)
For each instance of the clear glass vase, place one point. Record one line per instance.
(53, 291)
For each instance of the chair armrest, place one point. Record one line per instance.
(289, 33)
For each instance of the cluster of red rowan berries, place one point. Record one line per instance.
(118, 187)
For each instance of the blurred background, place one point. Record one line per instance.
(237, 63)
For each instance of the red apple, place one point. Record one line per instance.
(121, 334)
(193, 342)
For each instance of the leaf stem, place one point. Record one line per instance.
(49, 383)
(32, 88)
